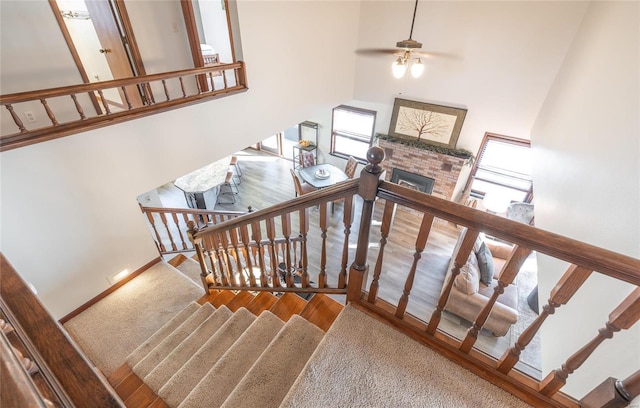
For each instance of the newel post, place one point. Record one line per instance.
(367, 189)
(198, 248)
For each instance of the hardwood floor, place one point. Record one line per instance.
(266, 181)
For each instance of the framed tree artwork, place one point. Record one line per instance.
(435, 124)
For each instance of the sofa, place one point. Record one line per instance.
(469, 294)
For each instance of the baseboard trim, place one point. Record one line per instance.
(109, 291)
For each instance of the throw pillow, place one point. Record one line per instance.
(485, 262)
(467, 280)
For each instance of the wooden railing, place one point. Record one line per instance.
(78, 108)
(257, 251)
(269, 249)
(40, 366)
(170, 226)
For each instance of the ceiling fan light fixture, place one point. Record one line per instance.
(417, 68)
(399, 67)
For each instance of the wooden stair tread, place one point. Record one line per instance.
(241, 299)
(322, 311)
(209, 297)
(142, 397)
(261, 302)
(119, 375)
(128, 386)
(176, 260)
(288, 305)
(223, 298)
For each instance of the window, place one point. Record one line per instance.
(352, 131)
(502, 171)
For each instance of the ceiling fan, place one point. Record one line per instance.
(406, 54)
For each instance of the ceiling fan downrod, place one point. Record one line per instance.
(415, 8)
(410, 43)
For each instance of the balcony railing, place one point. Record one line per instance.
(72, 109)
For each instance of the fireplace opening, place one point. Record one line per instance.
(412, 180)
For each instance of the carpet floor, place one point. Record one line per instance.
(109, 331)
(364, 363)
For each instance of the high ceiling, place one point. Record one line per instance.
(504, 58)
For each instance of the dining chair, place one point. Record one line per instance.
(307, 159)
(350, 167)
(301, 187)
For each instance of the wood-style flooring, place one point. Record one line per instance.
(266, 181)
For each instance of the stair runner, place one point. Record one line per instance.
(213, 357)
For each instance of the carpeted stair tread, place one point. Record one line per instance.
(115, 326)
(222, 378)
(141, 351)
(189, 346)
(269, 379)
(189, 375)
(362, 362)
(191, 269)
(155, 356)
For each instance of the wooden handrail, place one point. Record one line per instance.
(76, 378)
(610, 263)
(162, 102)
(114, 83)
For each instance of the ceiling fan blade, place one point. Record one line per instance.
(432, 55)
(378, 51)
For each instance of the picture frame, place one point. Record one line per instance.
(434, 124)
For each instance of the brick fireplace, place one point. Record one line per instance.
(443, 168)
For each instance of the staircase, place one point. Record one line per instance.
(266, 351)
(230, 350)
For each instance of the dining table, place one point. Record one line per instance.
(322, 175)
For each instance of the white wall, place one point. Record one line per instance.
(502, 58)
(587, 183)
(68, 207)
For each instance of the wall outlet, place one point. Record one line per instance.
(30, 116)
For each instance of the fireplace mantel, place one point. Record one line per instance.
(443, 168)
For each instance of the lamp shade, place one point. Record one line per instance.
(417, 68)
(398, 68)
